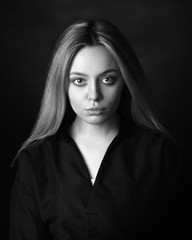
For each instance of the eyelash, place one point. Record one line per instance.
(111, 82)
(76, 79)
(84, 81)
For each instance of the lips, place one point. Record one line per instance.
(95, 110)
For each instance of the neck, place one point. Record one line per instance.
(104, 129)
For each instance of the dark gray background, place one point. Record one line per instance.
(158, 30)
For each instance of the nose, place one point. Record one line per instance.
(94, 92)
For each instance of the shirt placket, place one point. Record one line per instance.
(91, 225)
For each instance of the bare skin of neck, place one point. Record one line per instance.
(95, 132)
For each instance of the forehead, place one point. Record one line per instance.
(93, 60)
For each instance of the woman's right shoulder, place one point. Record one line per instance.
(38, 148)
(36, 160)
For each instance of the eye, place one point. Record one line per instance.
(109, 80)
(79, 81)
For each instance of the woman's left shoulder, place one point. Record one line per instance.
(167, 149)
(152, 139)
(167, 145)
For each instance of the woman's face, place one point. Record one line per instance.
(95, 85)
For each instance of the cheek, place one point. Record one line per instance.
(75, 98)
(114, 96)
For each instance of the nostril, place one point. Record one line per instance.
(95, 96)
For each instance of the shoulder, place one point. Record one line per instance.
(162, 149)
(142, 136)
(155, 151)
(36, 161)
(151, 143)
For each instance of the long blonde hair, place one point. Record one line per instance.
(78, 35)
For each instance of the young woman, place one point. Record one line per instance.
(98, 164)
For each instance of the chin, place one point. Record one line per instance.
(95, 120)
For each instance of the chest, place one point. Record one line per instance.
(125, 190)
(116, 200)
(93, 153)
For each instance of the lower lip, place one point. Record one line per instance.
(95, 112)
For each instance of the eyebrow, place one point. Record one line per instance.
(105, 72)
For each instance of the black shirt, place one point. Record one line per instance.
(53, 197)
